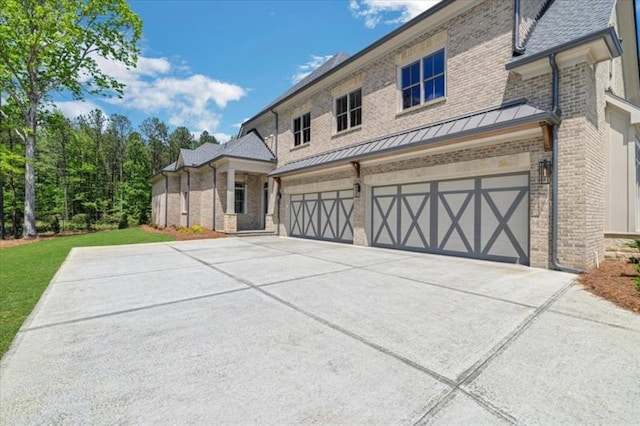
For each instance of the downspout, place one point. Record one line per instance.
(278, 194)
(517, 48)
(554, 176)
(188, 195)
(213, 196)
(166, 198)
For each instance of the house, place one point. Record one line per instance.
(500, 130)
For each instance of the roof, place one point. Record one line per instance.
(341, 60)
(507, 115)
(565, 23)
(327, 66)
(249, 147)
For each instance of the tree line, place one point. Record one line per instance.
(91, 171)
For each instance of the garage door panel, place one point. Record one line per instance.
(322, 215)
(483, 217)
(385, 214)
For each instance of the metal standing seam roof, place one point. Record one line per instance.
(564, 22)
(507, 115)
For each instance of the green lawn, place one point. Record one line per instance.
(26, 270)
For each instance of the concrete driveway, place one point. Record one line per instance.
(271, 330)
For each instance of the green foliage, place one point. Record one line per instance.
(55, 225)
(205, 137)
(197, 229)
(634, 260)
(19, 292)
(124, 221)
(634, 244)
(55, 46)
(137, 189)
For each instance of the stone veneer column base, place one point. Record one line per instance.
(230, 223)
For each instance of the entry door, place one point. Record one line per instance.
(322, 216)
(484, 217)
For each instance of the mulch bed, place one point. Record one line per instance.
(182, 236)
(613, 281)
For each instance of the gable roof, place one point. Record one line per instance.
(248, 147)
(567, 23)
(507, 115)
(327, 66)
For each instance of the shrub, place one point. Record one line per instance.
(123, 222)
(197, 229)
(55, 225)
(634, 244)
(80, 221)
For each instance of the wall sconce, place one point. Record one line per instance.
(356, 189)
(544, 171)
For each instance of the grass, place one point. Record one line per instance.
(26, 270)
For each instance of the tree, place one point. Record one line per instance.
(156, 133)
(11, 163)
(205, 137)
(137, 190)
(180, 138)
(55, 45)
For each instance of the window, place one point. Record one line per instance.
(349, 110)
(185, 200)
(240, 197)
(302, 129)
(423, 80)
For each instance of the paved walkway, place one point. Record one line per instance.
(271, 330)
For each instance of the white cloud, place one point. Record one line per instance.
(222, 137)
(238, 125)
(73, 109)
(158, 85)
(375, 11)
(307, 68)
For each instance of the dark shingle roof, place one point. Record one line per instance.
(512, 114)
(566, 21)
(250, 147)
(331, 63)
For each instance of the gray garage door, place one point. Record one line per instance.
(322, 216)
(485, 217)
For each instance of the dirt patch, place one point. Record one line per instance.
(181, 236)
(613, 281)
(12, 242)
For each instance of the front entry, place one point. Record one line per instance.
(483, 217)
(322, 216)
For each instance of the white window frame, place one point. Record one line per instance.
(244, 197)
(302, 129)
(420, 58)
(185, 201)
(350, 126)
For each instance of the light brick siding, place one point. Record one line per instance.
(158, 199)
(175, 206)
(252, 218)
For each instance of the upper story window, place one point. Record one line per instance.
(302, 129)
(349, 110)
(423, 80)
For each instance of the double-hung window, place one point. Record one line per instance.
(349, 110)
(240, 197)
(302, 129)
(423, 80)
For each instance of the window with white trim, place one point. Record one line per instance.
(302, 129)
(240, 200)
(423, 80)
(348, 110)
(185, 201)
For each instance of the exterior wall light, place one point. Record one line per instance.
(356, 189)
(544, 172)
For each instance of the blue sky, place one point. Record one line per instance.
(209, 65)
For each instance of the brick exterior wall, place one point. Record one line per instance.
(478, 44)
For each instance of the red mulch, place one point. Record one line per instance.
(181, 236)
(613, 281)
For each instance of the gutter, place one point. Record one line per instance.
(213, 195)
(554, 175)
(609, 34)
(166, 198)
(276, 135)
(517, 48)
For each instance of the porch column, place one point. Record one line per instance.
(231, 191)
